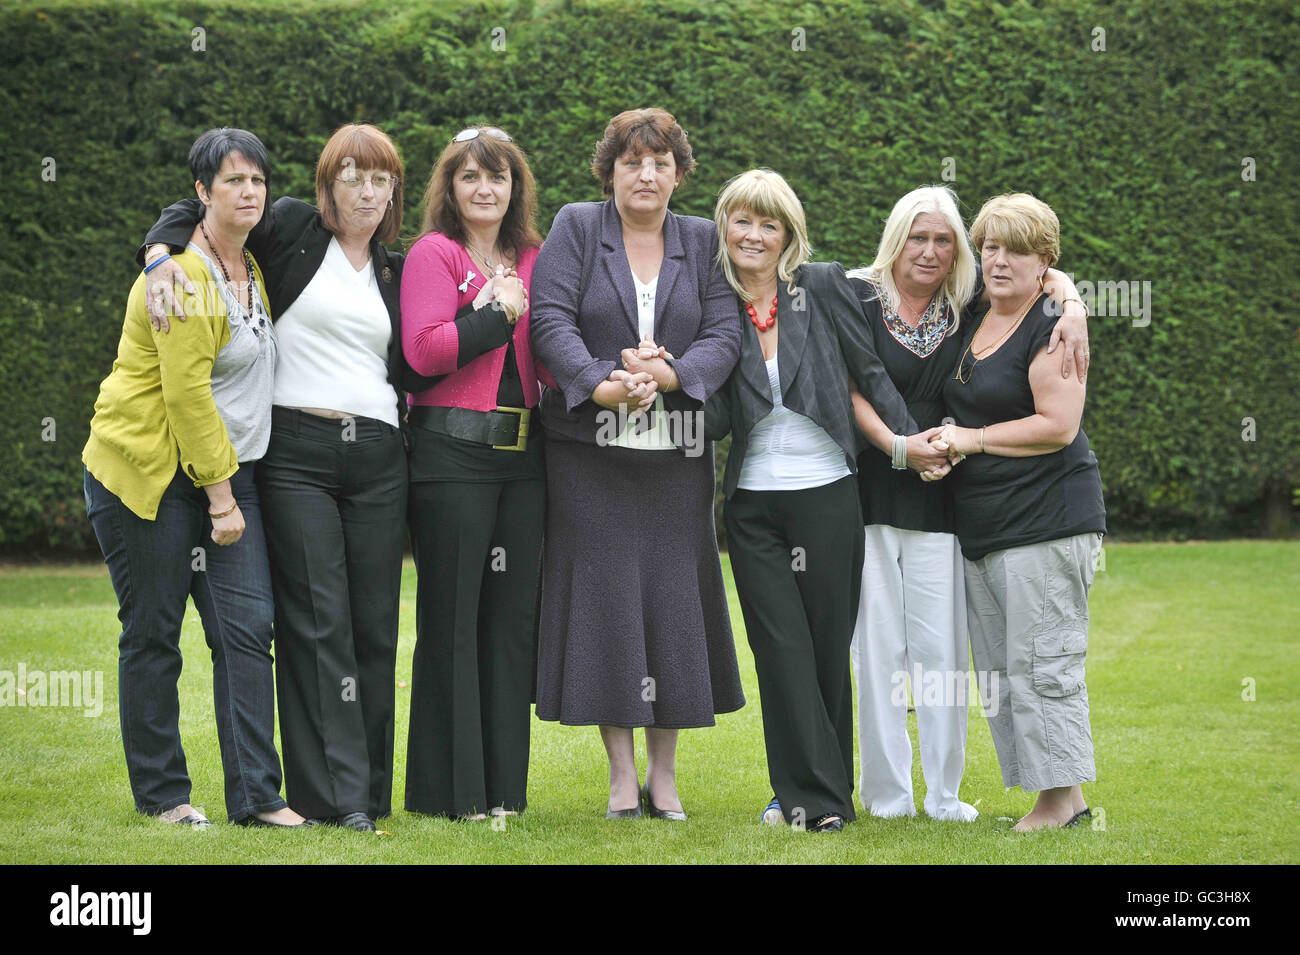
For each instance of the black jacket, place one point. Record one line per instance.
(822, 343)
(290, 247)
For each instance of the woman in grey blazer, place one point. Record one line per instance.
(792, 512)
(633, 628)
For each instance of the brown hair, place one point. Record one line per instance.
(441, 211)
(360, 146)
(1021, 223)
(641, 130)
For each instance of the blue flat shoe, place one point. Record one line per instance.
(772, 815)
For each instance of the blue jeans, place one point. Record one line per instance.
(154, 566)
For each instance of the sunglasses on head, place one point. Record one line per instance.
(465, 135)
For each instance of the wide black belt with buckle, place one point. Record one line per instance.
(505, 429)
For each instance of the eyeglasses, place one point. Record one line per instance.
(380, 181)
(465, 135)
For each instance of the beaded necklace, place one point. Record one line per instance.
(259, 328)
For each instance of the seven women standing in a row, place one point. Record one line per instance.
(636, 325)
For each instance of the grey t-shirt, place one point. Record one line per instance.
(243, 375)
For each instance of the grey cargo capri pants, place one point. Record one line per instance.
(1027, 609)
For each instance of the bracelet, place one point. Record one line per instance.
(899, 458)
(982, 439)
(226, 513)
(511, 315)
(157, 262)
(1081, 305)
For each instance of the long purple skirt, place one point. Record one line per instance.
(634, 628)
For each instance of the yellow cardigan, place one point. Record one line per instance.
(156, 408)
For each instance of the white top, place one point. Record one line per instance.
(334, 343)
(632, 435)
(787, 451)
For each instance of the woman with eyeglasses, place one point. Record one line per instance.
(334, 478)
(478, 480)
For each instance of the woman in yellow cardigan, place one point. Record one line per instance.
(178, 428)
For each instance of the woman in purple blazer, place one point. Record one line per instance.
(634, 629)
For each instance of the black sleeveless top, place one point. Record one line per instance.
(1009, 502)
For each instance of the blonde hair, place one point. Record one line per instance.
(959, 284)
(764, 193)
(1020, 223)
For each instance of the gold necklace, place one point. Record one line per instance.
(977, 355)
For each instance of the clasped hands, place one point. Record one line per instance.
(645, 374)
(506, 290)
(932, 453)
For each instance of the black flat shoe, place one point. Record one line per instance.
(673, 815)
(1085, 813)
(830, 822)
(252, 822)
(356, 821)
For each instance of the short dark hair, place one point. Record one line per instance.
(211, 149)
(442, 213)
(650, 130)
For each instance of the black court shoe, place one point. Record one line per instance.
(654, 812)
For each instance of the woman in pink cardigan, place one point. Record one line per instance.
(478, 480)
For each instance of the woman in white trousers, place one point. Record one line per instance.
(911, 627)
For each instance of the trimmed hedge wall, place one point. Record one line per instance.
(1164, 134)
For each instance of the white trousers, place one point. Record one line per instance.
(911, 629)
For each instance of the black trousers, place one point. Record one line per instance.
(797, 559)
(478, 554)
(334, 507)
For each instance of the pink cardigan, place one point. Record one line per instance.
(434, 269)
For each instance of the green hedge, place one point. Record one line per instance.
(1138, 147)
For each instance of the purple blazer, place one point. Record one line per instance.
(584, 312)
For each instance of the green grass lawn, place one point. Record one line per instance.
(1190, 772)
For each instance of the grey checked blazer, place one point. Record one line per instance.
(819, 348)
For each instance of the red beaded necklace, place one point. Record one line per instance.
(761, 325)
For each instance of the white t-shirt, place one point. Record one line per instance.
(788, 451)
(334, 343)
